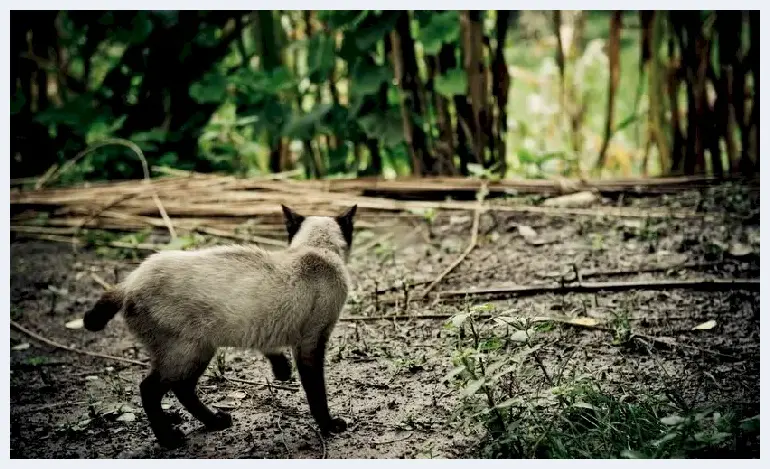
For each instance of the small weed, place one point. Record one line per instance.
(730, 197)
(589, 423)
(220, 363)
(529, 411)
(37, 361)
(410, 365)
(597, 242)
(16, 313)
(714, 251)
(426, 452)
(621, 328)
(117, 385)
(189, 241)
(101, 239)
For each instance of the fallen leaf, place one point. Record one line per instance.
(584, 405)
(538, 241)
(673, 419)
(472, 387)
(227, 404)
(527, 231)
(237, 395)
(58, 291)
(588, 322)
(740, 250)
(631, 454)
(632, 223)
(126, 417)
(578, 199)
(75, 324)
(710, 324)
(21, 346)
(522, 335)
(458, 319)
(509, 403)
(456, 371)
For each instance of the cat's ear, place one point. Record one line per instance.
(345, 221)
(292, 220)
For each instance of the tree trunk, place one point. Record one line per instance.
(616, 23)
(500, 85)
(472, 46)
(405, 65)
(444, 147)
(750, 151)
(674, 75)
(695, 59)
(729, 28)
(270, 59)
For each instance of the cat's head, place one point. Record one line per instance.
(334, 233)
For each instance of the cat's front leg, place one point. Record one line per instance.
(310, 363)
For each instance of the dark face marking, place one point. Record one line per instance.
(345, 221)
(293, 221)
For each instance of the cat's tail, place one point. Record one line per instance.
(104, 310)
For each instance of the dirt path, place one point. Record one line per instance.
(385, 376)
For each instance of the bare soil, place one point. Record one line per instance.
(384, 376)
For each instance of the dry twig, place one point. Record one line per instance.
(50, 342)
(263, 385)
(471, 246)
(101, 281)
(145, 169)
(320, 437)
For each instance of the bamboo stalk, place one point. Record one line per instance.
(592, 287)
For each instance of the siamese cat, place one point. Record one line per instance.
(183, 305)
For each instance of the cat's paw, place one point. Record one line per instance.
(281, 370)
(282, 374)
(335, 425)
(221, 421)
(172, 438)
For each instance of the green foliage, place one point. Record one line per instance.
(305, 126)
(441, 28)
(211, 89)
(453, 82)
(502, 384)
(366, 78)
(373, 29)
(195, 92)
(321, 57)
(388, 128)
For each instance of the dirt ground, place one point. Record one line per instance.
(384, 376)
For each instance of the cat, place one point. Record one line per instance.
(183, 305)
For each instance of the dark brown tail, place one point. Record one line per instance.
(103, 311)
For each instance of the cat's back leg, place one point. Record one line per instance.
(185, 366)
(152, 390)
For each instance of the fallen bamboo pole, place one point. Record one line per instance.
(587, 287)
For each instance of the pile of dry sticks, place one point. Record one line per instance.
(249, 209)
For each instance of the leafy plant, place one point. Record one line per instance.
(529, 411)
